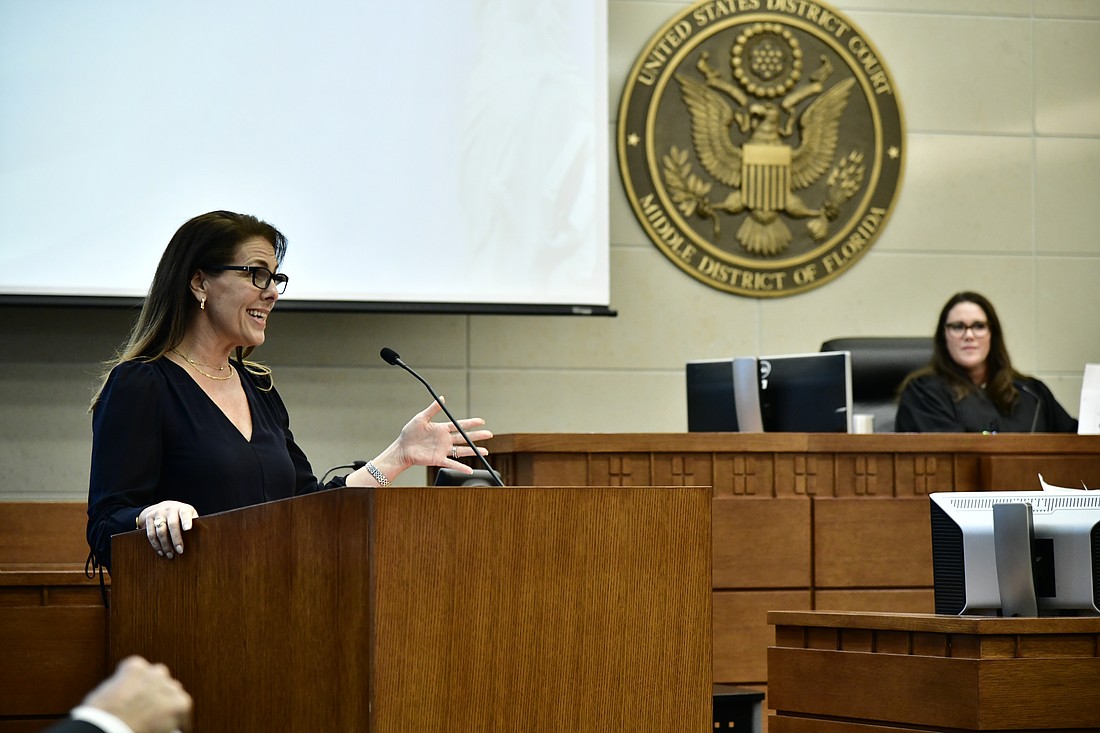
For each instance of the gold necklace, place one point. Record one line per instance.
(221, 368)
(197, 365)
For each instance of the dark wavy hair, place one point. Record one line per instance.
(168, 310)
(1000, 375)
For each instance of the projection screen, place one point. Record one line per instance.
(447, 155)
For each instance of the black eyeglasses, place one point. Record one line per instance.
(958, 329)
(261, 276)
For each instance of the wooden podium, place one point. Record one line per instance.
(433, 609)
(923, 673)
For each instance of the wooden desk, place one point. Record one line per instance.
(804, 521)
(922, 673)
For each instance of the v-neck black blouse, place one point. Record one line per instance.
(156, 435)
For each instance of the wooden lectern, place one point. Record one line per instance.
(433, 609)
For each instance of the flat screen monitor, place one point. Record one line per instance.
(1064, 538)
(806, 393)
(723, 396)
(787, 393)
(711, 405)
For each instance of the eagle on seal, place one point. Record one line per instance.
(765, 171)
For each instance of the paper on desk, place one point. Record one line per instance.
(1061, 489)
(1088, 417)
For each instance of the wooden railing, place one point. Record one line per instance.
(53, 624)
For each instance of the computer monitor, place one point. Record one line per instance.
(806, 393)
(790, 393)
(711, 405)
(723, 396)
(1063, 536)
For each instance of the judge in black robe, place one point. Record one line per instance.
(928, 405)
(970, 385)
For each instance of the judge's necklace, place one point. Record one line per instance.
(198, 367)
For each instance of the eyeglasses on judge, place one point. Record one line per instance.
(958, 329)
(261, 276)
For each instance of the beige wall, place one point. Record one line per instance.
(1002, 101)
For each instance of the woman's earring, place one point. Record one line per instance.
(202, 303)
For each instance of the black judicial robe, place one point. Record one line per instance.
(928, 405)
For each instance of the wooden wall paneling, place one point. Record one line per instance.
(620, 469)
(865, 474)
(682, 469)
(552, 469)
(804, 475)
(43, 532)
(968, 473)
(51, 657)
(889, 600)
(761, 543)
(742, 634)
(53, 625)
(872, 543)
(744, 474)
(923, 473)
(1021, 473)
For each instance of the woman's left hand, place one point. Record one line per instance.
(426, 443)
(423, 442)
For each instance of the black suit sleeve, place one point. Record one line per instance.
(73, 726)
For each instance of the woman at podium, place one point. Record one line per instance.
(970, 385)
(183, 423)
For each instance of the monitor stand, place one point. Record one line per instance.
(1013, 534)
(746, 391)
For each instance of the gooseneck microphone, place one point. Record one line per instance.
(390, 357)
(1038, 402)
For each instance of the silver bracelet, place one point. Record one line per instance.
(378, 475)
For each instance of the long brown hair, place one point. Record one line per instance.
(210, 239)
(1000, 376)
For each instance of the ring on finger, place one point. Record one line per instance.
(158, 522)
(454, 452)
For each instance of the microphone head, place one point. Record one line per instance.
(389, 355)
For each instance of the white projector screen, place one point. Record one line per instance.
(447, 154)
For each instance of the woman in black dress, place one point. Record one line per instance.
(184, 424)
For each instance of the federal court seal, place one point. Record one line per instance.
(761, 144)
